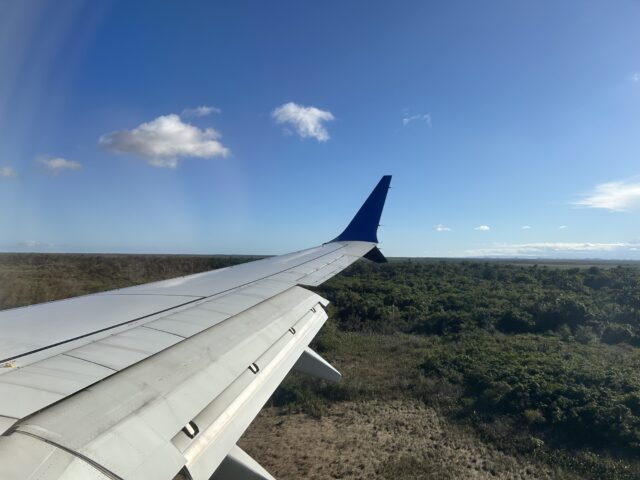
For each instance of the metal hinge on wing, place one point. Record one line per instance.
(191, 429)
(254, 367)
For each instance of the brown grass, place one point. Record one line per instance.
(396, 439)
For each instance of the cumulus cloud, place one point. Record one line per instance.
(615, 196)
(201, 111)
(164, 141)
(58, 164)
(483, 228)
(419, 117)
(307, 122)
(441, 228)
(526, 227)
(544, 249)
(6, 172)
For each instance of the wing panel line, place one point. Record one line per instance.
(82, 457)
(88, 361)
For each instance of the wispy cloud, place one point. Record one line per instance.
(307, 122)
(418, 117)
(636, 77)
(545, 249)
(526, 227)
(164, 141)
(57, 164)
(616, 196)
(201, 111)
(6, 172)
(562, 227)
(34, 244)
(441, 228)
(483, 228)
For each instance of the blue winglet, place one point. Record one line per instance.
(364, 226)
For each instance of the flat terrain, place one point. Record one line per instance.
(378, 439)
(452, 369)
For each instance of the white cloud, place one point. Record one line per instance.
(58, 164)
(562, 227)
(526, 227)
(544, 249)
(7, 172)
(420, 117)
(201, 111)
(636, 77)
(33, 244)
(616, 196)
(306, 121)
(441, 228)
(164, 141)
(483, 228)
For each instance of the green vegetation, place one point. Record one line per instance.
(526, 391)
(453, 297)
(542, 361)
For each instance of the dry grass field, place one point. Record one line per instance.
(379, 439)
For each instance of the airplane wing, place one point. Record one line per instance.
(159, 381)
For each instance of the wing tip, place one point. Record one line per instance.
(364, 225)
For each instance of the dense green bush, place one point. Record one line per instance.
(444, 297)
(577, 395)
(541, 360)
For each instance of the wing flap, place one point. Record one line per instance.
(313, 364)
(16, 455)
(238, 465)
(228, 416)
(127, 422)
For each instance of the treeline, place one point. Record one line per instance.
(414, 296)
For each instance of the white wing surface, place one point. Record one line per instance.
(161, 380)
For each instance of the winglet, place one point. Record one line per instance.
(364, 226)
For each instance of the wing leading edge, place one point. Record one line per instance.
(160, 380)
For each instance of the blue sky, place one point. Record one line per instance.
(491, 116)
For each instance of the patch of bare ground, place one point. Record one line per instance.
(390, 440)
